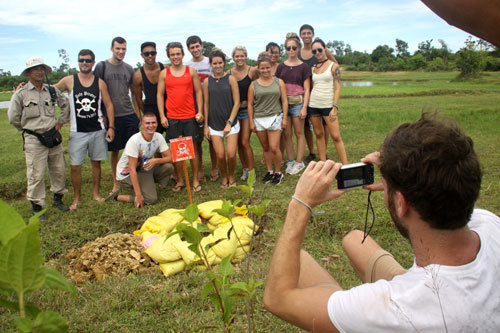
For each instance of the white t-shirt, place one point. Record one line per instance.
(202, 67)
(132, 148)
(466, 297)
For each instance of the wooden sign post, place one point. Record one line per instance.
(182, 149)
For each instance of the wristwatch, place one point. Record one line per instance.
(230, 121)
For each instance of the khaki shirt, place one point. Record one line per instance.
(32, 109)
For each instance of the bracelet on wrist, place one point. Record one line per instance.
(307, 205)
(112, 127)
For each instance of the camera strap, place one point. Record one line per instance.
(369, 207)
(52, 90)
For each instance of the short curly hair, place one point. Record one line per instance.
(434, 165)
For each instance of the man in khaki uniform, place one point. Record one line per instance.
(32, 109)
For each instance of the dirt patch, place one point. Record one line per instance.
(111, 255)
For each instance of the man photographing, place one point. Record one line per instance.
(431, 178)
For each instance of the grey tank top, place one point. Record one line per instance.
(267, 100)
(221, 102)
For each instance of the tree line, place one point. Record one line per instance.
(476, 56)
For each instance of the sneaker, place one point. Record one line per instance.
(277, 178)
(309, 158)
(245, 174)
(268, 177)
(297, 167)
(289, 166)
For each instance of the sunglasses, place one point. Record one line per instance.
(149, 53)
(87, 61)
(288, 48)
(319, 49)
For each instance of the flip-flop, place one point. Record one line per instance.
(73, 207)
(113, 194)
(233, 183)
(197, 188)
(177, 188)
(203, 179)
(224, 186)
(214, 178)
(100, 199)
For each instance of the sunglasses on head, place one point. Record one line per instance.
(87, 61)
(319, 49)
(149, 53)
(288, 48)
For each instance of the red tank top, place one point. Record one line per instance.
(180, 92)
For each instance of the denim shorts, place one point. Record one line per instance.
(294, 111)
(242, 112)
(93, 142)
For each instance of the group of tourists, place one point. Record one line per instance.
(198, 99)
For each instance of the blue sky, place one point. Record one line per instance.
(42, 27)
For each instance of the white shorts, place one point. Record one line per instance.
(234, 130)
(272, 123)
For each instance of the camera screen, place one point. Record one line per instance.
(353, 177)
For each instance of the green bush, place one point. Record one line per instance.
(417, 62)
(492, 64)
(437, 64)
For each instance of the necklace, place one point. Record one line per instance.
(320, 63)
(217, 79)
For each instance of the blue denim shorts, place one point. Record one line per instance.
(242, 112)
(294, 111)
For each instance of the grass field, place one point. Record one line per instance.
(151, 303)
(5, 95)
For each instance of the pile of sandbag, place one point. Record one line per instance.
(229, 238)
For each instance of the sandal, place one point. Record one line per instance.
(177, 188)
(224, 186)
(197, 188)
(214, 178)
(232, 184)
(113, 194)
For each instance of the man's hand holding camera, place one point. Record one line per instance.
(314, 187)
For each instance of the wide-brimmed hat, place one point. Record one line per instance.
(34, 62)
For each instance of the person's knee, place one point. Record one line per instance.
(319, 134)
(150, 198)
(354, 237)
(336, 138)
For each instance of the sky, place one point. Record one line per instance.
(41, 28)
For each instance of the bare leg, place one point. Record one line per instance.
(325, 129)
(114, 162)
(244, 148)
(274, 146)
(313, 274)
(96, 180)
(231, 143)
(288, 140)
(213, 158)
(195, 165)
(76, 180)
(178, 173)
(268, 157)
(320, 142)
(220, 153)
(298, 126)
(198, 150)
(309, 138)
(334, 130)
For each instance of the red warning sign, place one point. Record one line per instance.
(182, 148)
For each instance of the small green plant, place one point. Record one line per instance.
(222, 293)
(22, 271)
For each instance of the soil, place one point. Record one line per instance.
(111, 255)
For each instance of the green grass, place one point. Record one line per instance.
(154, 303)
(5, 95)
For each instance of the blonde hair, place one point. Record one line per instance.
(292, 36)
(263, 57)
(240, 48)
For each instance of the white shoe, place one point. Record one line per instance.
(245, 174)
(297, 167)
(289, 167)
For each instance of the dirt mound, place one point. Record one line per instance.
(113, 254)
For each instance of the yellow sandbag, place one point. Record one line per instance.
(206, 208)
(226, 247)
(147, 235)
(217, 219)
(187, 255)
(244, 220)
(243, 233)
(173, 216)
(158, 225)
(241, 210)
(164, 251)
(172, 268)
(240, 253)
(171, 211)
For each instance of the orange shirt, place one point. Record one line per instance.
(180, 95)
